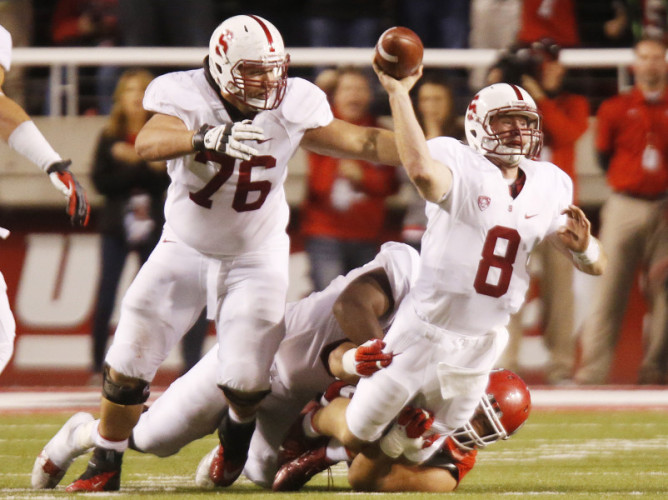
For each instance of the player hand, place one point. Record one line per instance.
(392, 85)
(368, 358)
(407, 434)
(227, 139)
(77, 207)
(575, 233)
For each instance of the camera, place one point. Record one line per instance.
(526, 59)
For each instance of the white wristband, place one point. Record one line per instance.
(392, 443)
(590, 255)
(348, 362)
(27, 140)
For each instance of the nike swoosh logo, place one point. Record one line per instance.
(264, 140)
(527, 216)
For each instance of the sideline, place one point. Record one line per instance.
(603, 398)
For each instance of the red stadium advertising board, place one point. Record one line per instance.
(52, 278)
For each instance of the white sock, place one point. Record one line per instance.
(336, 452)
(234, 416)
(307, 425)
(107, 444)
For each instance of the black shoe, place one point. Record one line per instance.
(233, 451)
(103, 472)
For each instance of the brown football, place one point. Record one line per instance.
(399, 52)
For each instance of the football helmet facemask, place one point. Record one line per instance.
(504, 409)
(503, 99)
(247, 59)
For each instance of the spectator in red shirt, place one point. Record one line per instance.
(344, 212)
(565, 119)
(553, 19)
(632, 143)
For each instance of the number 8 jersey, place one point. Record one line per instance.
(476, 248)
(219, 205)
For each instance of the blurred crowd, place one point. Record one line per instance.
(345, 217)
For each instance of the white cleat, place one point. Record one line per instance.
(48, 470)
(202, 476)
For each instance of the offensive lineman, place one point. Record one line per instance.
(224, 244)
(21, 134)
(488, 206)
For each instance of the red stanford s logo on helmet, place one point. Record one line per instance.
(247, 60)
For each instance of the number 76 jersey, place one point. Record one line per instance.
(219, 205)
(476, 248)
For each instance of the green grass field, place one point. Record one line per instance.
(610, 455)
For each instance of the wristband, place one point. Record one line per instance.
(27, 140)
(391, 444)
(590, 255)
(198, 137)
(348, 362)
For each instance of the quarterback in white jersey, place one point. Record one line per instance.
(21, 134)
(192, 407)
(488, 206)
(227, 131)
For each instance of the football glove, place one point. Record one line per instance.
(407, 434)
(77, 206)
(226, 139)
(367, 358)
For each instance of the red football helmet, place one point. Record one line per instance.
(247, 59)
(502, 411)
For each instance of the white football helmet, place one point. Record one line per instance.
(247, 59)
(502, 98)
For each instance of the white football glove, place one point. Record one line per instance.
(226, 139)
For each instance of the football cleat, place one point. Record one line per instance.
(296, 441)
(293, 475)
(59, 453)
(223, 465)
(103, 472)
(202, 477)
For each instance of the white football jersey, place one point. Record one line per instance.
(478, 240)
(5, 49)
(310, 324)
(219, 205)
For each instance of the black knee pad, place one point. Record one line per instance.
(125, 395)
(243, 398)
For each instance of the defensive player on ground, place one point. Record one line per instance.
(323, 326)
(21, 134)
(502, 411)
(227, 131)
(488, 206)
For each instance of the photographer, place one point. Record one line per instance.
(536, 68)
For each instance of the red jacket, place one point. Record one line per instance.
(555, 20)
(626, 125)
(364, 219)
(565, 119)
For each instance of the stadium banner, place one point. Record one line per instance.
(52, 276)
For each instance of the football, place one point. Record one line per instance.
(399, 52)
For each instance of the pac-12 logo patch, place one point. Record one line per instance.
(483, 202)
